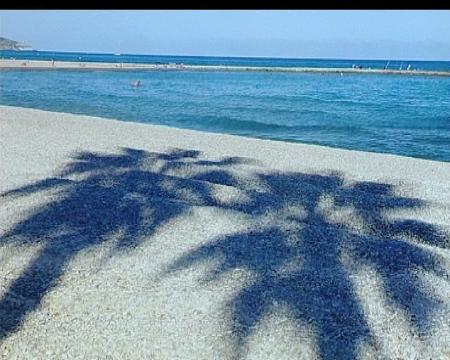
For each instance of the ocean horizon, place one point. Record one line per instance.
(397, 114)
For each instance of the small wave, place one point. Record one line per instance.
(252, 126)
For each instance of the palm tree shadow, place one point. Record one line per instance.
(98, 195)
(316, 288)
(136, 192)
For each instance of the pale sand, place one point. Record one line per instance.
(115, 245)
(6, 64)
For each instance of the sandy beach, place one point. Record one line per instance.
(123, 240)
(6, 64)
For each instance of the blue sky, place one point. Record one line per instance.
(412, 35)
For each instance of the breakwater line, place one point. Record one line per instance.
(6, 64)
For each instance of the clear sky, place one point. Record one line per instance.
(412, 35)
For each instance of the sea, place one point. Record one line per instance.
(396, 114)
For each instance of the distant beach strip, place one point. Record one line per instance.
(6, 64)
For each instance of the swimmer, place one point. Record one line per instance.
(136, 83)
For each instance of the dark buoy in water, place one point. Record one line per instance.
(136, 83)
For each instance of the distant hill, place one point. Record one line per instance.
(7, 44)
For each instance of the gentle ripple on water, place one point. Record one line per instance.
(384, 113)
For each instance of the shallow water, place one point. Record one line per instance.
(404, 115)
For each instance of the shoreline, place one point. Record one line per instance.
(8, 64)
(220, 135)
(314, 155)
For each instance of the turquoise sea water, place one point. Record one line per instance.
(405, 115)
